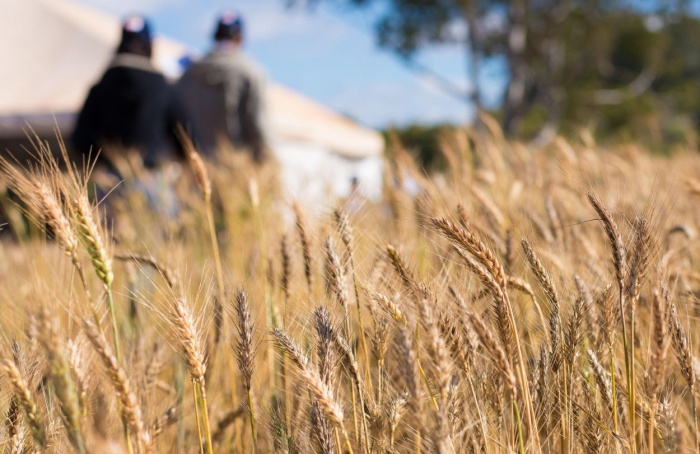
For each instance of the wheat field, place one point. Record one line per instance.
(523, 300)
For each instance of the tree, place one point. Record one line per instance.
(568, 60)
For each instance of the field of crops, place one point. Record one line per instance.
(523, 300)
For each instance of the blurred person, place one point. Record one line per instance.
(132, 107)
(354, 200)
(134, 112)
(225, 91)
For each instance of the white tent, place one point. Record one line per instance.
(52, 51)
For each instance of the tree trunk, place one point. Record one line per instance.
(553, 91)
(473, 50)
(515, 92)
(554, 48)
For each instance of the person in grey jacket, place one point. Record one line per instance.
(225, 93)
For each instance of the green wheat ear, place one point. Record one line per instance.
(91, 238)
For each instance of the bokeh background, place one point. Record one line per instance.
(620, 69)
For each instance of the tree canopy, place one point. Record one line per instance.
(622, 67)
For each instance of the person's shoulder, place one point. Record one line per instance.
(112, 77)
(205, 64)
(194, 63)
(110, 73)
(251, 66)
(136, 65)
(153, 81)
(226, 62)
(235, 60)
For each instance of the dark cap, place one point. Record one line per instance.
(136, 36)
(229, 26)
(137, 28)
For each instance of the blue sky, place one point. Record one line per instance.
(328, 54)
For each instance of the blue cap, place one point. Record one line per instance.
(229, 26)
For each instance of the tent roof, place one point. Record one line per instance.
(52, 51)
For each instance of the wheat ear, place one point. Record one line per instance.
(62, 379)
(325, 332)
(131, 410)
(26, 400)
(320, 390)
(409, 370)
(390, 307)
(246, 355)
(657, 361)
(305, 240)
(91, 238)
(620, 264)
(681, 347)
(467, 239)
(500, 308)
(160, 424)
(182, 320)
(348, 237)
(366, 404)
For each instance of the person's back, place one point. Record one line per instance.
(132, 106)
(224, 91)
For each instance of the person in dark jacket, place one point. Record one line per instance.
(132, 106)
(225, 91)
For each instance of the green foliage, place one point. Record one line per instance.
(423, 142)
(671, 95)
(612, 64)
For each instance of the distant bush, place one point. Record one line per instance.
(422, 142)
